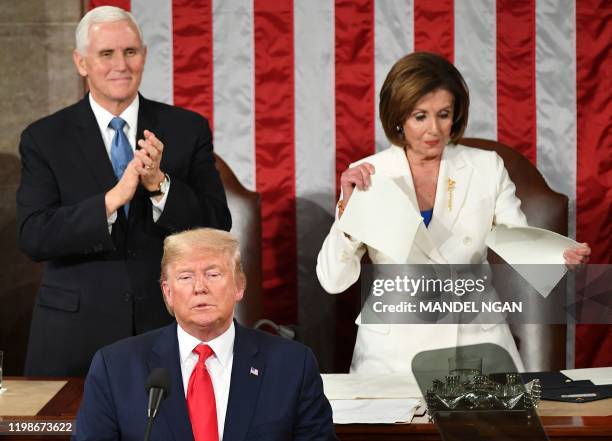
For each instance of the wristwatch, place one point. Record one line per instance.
(162, 188)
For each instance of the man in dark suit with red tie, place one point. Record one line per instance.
(226, 381)
(104, 181)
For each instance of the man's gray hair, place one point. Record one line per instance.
(101, 14)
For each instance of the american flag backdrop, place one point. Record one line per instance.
(290, 87)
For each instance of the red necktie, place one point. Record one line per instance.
(201, 399)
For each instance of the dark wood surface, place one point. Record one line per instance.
(64, 406)
(557, 428)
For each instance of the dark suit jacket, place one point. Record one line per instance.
(98, 287)
(284, 401)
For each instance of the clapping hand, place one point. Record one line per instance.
(150, 155)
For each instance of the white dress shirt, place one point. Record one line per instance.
(219, 366)
(130, 116)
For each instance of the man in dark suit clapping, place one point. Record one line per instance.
(104, 181)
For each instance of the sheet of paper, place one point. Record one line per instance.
(536, 254)
(598, 376)
(379, 411)
(382, 217)
(354, 386)
(27, 397)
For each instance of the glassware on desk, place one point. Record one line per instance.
(466, 368)
(483, 393)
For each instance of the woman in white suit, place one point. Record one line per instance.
(461, 193)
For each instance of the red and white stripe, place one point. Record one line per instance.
(291, 88)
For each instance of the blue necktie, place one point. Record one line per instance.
(121, 151)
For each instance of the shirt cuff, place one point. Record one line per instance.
(158, 206)
(348, 242)
(111, 220)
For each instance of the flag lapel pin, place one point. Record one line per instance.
(254, 371)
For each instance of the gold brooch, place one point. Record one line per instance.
(450, 187)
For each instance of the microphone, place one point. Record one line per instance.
(158, 387)
(290, 332)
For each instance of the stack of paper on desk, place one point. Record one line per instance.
(382, 217)
(597, 376)
(380, 411)
(526, 247)
(358, 398)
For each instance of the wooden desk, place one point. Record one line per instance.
(557, 428)
(561, 421)
(64, 407)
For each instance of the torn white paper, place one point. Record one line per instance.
(536, 254)
(382, 217)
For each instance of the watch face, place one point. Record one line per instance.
(163, 187)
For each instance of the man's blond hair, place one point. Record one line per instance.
(203, 240)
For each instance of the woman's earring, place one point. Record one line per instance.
(399, 129)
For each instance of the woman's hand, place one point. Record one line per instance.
(358, 176)
(577, 256)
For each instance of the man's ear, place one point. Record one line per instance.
(79, 63)
(239, 294)
(167, 293)
(240, 286)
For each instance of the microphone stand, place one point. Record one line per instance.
(148, 431)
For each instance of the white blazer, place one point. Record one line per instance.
(482, 195)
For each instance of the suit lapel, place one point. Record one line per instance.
(423, 239)
(453, 183)
(173, 410)
(92, 146)
(248, 370)
(147, 119)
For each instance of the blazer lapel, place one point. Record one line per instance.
(422, 239)
(91, 145)
(173, 410)
(453, 183)
(147, 119)
(248, 370)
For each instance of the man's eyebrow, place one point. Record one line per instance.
(187, 268)
(183, 269)
(212, 266)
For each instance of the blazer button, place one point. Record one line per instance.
(127, 297)
(467, 241)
